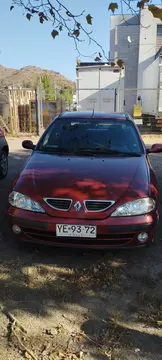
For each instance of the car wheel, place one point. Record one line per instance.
(3, 164)
(152, 243)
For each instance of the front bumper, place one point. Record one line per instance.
(111, 232)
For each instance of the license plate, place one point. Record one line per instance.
(84, 231)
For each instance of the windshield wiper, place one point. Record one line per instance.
(84, 152)
(103, 151)
(89, 152)
(116, 152)
(64, 151)
(57, 150)
(131, 154)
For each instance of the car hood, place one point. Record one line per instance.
(80, 178)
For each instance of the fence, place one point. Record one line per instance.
(15, 114)
(28, 111)
(126, 100)
(145, 105)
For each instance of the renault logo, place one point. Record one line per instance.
(77, 206)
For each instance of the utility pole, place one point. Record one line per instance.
(38, 111)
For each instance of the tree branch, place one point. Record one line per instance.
(62, 18)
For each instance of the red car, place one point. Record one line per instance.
(88, 183)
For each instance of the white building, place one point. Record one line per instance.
(97, 87)
(137, 40)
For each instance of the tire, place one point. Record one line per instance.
(152, 243)
(3, 164)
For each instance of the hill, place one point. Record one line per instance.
(28, 75)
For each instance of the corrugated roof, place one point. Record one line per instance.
(94, 63)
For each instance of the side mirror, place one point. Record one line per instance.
(28, 144)
(154, 149)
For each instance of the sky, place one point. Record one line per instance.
(26, 43)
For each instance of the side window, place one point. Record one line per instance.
(45, 140)
(132, 139)
(51, 137)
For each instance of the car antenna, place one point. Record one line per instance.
(93, 110)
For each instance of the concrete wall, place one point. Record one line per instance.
(160, 87)
(116, 20)
(141, 68)
(150, 80)
(147, 43)
(120, 48)
(129, 52)
(148, 66)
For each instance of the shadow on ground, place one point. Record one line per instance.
(114, 298)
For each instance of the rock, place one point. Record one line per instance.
(46, 348)
(52, 356)
(61, 355)
(48, 332)
(27, 356)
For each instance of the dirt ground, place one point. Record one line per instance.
(68, 304)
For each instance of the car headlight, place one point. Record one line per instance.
(24, 202)
(136, 207)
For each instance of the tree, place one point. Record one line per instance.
(26, 84)
(63, 18)
(46, 85)
(67, 95)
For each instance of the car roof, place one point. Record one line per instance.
(94, 115)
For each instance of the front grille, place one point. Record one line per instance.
(97, 205)
(59, 204)
(102, 240)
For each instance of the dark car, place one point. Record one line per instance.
(88, 183)
(4, 150)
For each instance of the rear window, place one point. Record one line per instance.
(92, 134)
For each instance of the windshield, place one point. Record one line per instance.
(95, 136)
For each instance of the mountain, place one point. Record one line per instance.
(28, 75)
